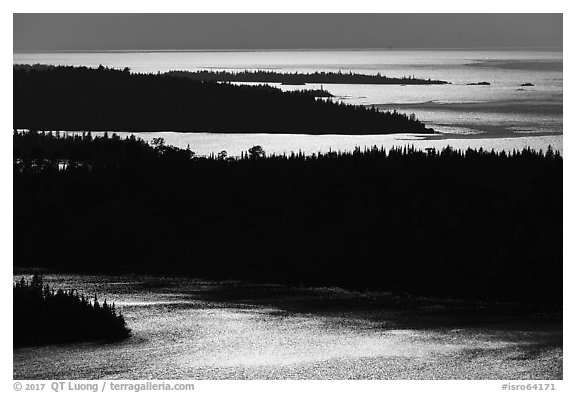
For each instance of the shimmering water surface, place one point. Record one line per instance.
(181, 329)
(504, 115)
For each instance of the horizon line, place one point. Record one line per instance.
(26, 51)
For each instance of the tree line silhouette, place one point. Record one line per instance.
(79, 98)
(296, 78)
(45, 316)
(470, 224)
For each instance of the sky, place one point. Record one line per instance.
(101, 32)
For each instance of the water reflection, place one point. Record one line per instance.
(185, 329)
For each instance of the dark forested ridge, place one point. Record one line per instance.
(471, 224)
(79, 98)
(296, 78)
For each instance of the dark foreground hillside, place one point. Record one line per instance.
(468, 224)
(79, 98)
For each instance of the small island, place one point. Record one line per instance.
(527, 84)
(320, 93)
(45, 316)
(479, 84)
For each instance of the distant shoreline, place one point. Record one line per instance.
(296, 78)
(76, 98)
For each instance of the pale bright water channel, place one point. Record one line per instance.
(188, 329)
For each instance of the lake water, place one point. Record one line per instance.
(191, 329)
(504, 115)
